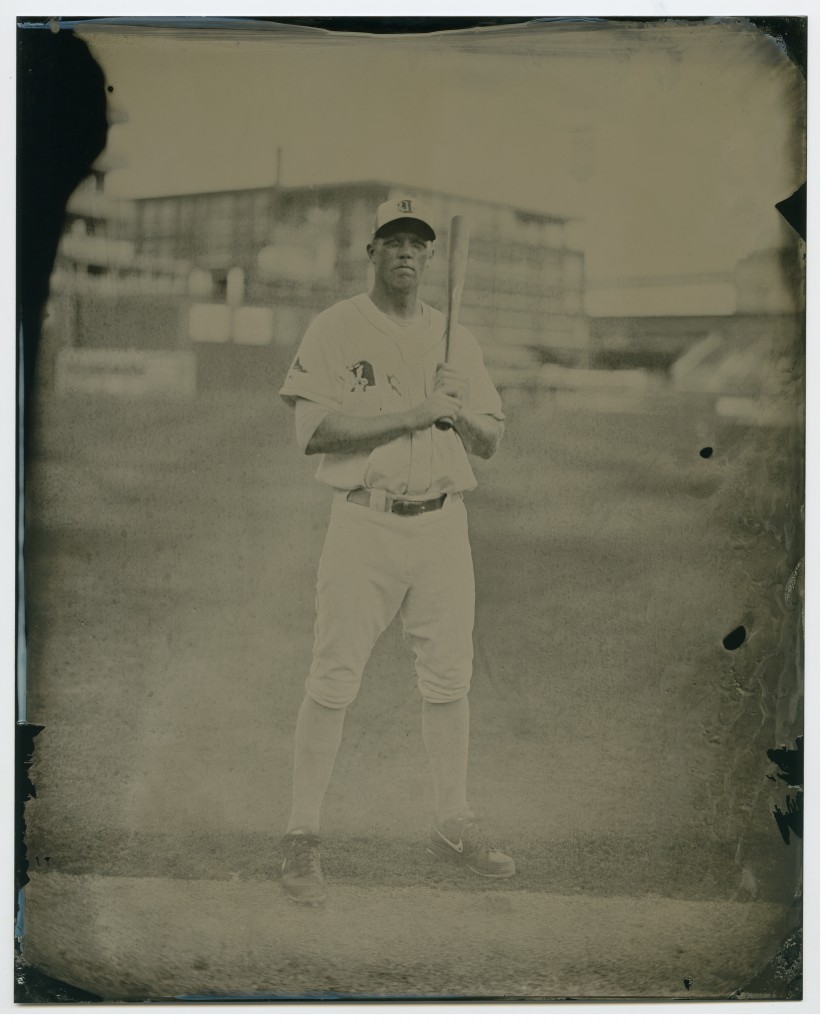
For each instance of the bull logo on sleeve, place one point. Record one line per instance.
(362, 376)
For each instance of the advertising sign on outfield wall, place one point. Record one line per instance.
(131, 373)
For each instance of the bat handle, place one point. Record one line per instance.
(451, 320)
(445, 424)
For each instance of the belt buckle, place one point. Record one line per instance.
(402, 507)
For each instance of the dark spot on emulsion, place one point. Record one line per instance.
(791, 763)
(688, 983)
(706, 453)
(735, 639)
(790, 818)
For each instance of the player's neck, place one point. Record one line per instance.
(400, 305)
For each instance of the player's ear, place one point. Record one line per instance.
(370, 248)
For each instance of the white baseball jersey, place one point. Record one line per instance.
(356, 360)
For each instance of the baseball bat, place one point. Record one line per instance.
(458, 258)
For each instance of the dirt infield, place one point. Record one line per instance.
(155, 938)
(618, 749)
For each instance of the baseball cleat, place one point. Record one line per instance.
(301, 868)
(462, 841)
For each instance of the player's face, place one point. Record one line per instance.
(400, 258)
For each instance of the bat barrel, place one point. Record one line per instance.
(458, 257)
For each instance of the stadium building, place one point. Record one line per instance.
(293, 251)
(232, 278)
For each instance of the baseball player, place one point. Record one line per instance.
(368, 385)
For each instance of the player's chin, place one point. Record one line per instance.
(405, 282)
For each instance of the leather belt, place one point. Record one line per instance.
(398, 506)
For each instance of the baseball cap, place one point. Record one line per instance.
(405, 209)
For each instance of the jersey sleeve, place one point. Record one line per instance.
(307, 417)
(315, 373)
(483, 397)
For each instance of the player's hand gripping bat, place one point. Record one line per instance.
(458, 257)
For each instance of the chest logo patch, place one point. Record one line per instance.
(362, 376)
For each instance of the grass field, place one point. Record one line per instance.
(618, 749)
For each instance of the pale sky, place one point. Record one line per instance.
(671, 143)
